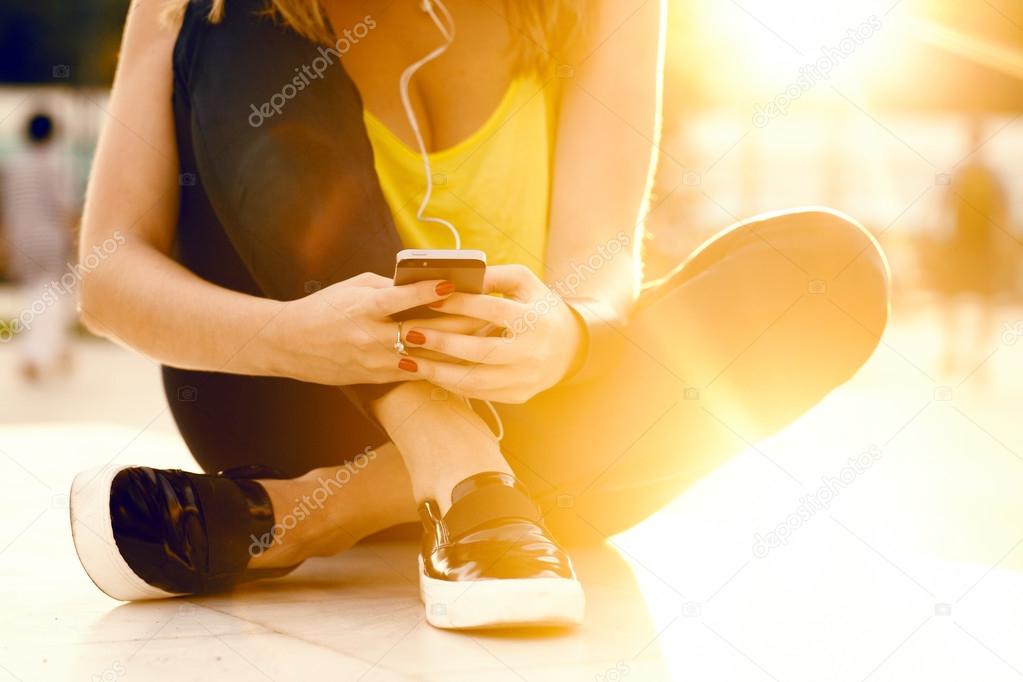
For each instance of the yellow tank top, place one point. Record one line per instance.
(494, 186)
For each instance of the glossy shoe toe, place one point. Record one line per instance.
(490, 562)
(144, 533)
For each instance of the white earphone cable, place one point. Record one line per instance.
(447, 29)
(446, 25)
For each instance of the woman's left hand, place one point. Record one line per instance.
(539, 344)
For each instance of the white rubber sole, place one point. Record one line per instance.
(94, 538)
(526, 602)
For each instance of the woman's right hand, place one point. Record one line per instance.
(343, 334)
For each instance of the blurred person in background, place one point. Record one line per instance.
(972, 270)
(37, 217)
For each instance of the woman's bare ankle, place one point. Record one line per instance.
(330, 509)
(441, 439)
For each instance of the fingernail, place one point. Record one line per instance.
(415, 337)
(435, 305)
(408, 365)
(444, 288)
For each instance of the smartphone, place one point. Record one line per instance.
(463, 267)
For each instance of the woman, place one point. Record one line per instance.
(259, 164)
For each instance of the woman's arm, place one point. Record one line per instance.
(140, 296)
(606, 153)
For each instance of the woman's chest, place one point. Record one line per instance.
(451, 96)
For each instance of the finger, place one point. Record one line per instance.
(514, 280)
(381, 335)
(394, 299)
(431, 355)
(377, 342)
(479, 349)
(482, 307)
(486, 382)
(458, 324)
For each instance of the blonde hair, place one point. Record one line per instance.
(544, 31)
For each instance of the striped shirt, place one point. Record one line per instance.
(35, 201)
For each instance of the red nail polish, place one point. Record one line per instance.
(408, 364)
(415, 337)
(435, 305)
(444, 288)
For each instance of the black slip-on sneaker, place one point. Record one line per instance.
(490, 562)
(144, 533)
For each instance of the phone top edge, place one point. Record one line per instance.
(441, 254)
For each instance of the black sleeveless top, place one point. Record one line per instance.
(277, 206)
(291, 203)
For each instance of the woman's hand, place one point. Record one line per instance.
(344, 335)
(540, 340)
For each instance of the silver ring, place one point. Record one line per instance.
(399, 345)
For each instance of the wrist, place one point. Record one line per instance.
(274, 348)
(601, 343)
(578, 341)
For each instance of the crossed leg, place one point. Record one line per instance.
(751, 331)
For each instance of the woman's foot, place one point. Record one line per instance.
(486, 559)
(144, 533)
(490, 562)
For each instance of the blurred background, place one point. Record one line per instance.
(904, 114)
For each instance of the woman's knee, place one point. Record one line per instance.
(842, 262)
(836, 287)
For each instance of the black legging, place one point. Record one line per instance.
(753, 329)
